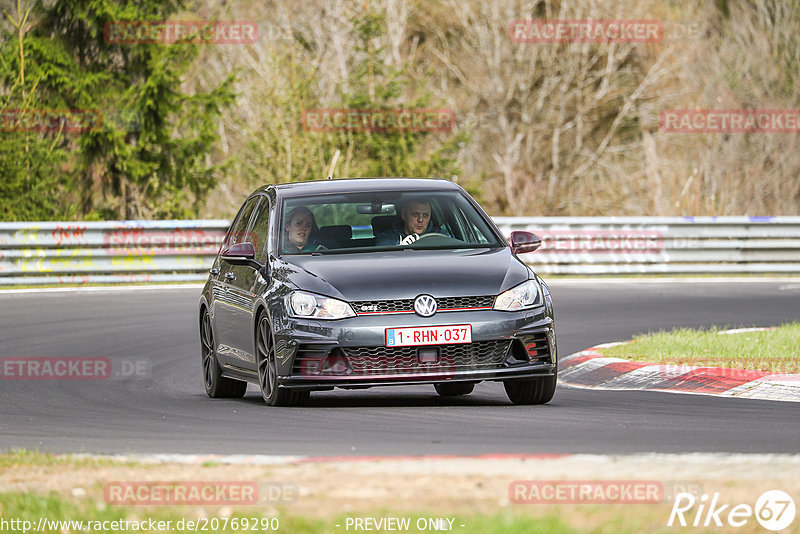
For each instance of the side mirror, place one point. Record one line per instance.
(241, 254)
(522, 242)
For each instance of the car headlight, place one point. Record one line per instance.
(302, 304)
(521, 297)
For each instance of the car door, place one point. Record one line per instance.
(243, 286)
(231, 308)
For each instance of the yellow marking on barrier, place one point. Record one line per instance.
(191, 261)
(27, 235)
(137, 262)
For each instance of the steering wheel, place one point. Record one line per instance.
(432, 234)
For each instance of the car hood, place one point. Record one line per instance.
(406, 274)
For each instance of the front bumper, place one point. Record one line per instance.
(505, 345)
(326, 382)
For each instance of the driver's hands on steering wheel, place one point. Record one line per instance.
(409, 239)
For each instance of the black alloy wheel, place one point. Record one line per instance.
(268, 370)
(217, 386)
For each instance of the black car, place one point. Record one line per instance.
(373, 282)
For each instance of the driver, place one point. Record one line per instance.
(415, 220)
(298, 229)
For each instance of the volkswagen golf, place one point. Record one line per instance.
(356, 283)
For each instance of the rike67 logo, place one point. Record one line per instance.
(774, 510)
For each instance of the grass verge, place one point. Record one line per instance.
(41, 492)
(776, 350)
(29, 458)
(26, 512)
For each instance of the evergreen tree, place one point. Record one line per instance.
(147, 155)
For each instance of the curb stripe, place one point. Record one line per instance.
(571, 361)
(591, 369)
(711, 380)
(608, 372)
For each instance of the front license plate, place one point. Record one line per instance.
(428, 335)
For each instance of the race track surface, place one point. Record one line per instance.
(164, 409)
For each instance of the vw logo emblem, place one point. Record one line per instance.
(425, 305)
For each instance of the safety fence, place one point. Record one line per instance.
(666, 245)
(174, 251)
(108, 252)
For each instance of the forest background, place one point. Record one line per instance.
(561, 129)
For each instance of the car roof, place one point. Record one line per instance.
(351, 185)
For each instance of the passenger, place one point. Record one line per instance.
(299, 225)
(415, 220)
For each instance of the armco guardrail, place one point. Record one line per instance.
(165, 251)
(668, 245)
(89, 252)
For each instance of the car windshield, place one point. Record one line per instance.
(378, 221)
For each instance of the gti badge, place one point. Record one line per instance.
(425, 305)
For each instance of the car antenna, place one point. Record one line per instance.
(332, 168)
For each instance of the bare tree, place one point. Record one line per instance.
(569, 128)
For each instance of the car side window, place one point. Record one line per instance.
(477, 234)
(439, 216)
(238, 233)
(260, 229)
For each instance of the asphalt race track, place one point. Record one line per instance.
(160, 406)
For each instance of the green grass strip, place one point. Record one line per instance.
(776, 350)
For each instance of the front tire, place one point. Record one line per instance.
(531, 391)
(268, 370)
(217, 386)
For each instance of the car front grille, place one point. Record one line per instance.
(389, 360)
(454, 303)
(365, 307)
(371, 307)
